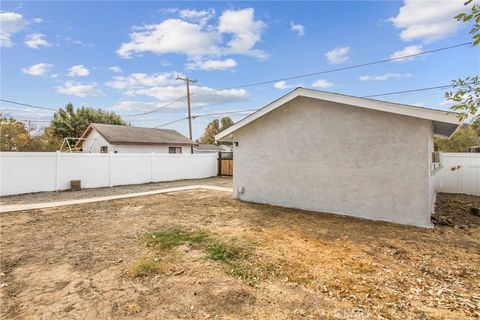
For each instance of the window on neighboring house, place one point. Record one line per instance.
(174, 149)
(104, 149)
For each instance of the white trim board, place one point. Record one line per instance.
(439, 117)
(22, 207)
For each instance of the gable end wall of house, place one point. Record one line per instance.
(328, 157)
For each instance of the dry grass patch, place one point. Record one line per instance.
(242, 260)
(144, 267)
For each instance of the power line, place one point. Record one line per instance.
(28, 105)
(206, 115)
(337, 69)
(171, 122)
(408, 91)
(226, 112)
(31, 120)
(153, 110)
(276, 80)
(253, 110)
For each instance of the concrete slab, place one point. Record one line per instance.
(22, 207)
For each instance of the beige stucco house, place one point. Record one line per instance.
(340, 154)
(105, 138)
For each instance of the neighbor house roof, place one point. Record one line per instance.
(207, 147)
(116, 134)
(444, 123)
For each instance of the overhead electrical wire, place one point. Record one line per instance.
(253, 110)
(243, 111)
(171, 122)
(154, 110)
(275, 80)
(337, 69)
(28, 105)
(408, 91)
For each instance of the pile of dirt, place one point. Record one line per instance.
(457, 211)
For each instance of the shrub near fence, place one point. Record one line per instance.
(24, 172)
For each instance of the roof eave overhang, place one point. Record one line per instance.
(436, 116)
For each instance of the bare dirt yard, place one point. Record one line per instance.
(203, 255)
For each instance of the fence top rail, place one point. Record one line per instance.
(85, 154)
(461, 154)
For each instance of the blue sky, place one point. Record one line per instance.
(125, 56)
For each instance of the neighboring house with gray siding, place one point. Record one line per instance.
(104, 138)
(334, 153)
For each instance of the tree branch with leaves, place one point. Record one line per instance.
(466, 98)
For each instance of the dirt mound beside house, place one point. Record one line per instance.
(457, 210)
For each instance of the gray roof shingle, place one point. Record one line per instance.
(116, 134)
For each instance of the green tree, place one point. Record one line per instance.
(213, 128)
(69, 122)
(14, 135)
(466, 97)
(210, 131)
(465, 137)
(226, 122)
(45, 141)
(19, 136)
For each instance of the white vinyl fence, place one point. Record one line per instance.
(460, 173)
(23, 172)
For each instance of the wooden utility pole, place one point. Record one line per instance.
(188, 81)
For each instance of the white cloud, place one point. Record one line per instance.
(131, 105)
(168, 10)
(427, 21)
(171, 36)
(115, 69)
(445, 103)
(208, 65)
(407, 51)
(201, 16)
(297, 28)
(79, 42)
(37, 40)
(38, 69)
(78, 71)
(322, 83)
(196, 39)
(245, 30)
(10, 23)
(338, 55)
(385, 76)
(208, 96)
(281, 85)
(140, 80)
(164, 87)
(78, 89)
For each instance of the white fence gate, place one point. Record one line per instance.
(460, 173)
(23, 172)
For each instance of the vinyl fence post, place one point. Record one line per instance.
(185, 166)
(110, 169)
(57, 171)
(151, 166)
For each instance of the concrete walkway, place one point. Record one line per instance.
(21, 207)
